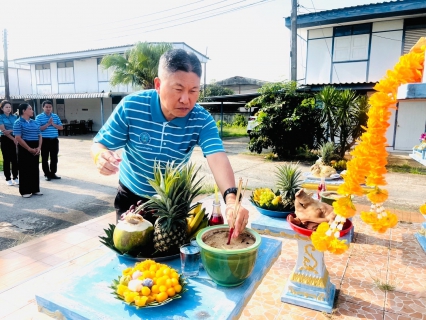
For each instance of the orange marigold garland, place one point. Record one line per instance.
(369, 158)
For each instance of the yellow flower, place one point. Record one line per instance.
(378, 195)
(423, 209)
(337, 246)
(344, 207)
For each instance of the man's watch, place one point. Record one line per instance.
(230, 190)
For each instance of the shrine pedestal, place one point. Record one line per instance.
(421, 236)
(309, 284)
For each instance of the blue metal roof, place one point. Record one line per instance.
(359, 13)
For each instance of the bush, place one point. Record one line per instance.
(225, 124)
(287, 119)
(239, 121)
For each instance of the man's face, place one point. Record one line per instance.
(47, 109)
(178, 93)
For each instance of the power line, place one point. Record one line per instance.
(203, 18)
(169, 21)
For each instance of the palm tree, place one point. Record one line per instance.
(328, 96)
(138, 66)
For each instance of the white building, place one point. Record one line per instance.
(19, 79)
(76, 83)
(354, 47)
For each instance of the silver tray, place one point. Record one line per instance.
(158, 259)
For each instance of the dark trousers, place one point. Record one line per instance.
(124, 199)
(29, 172)
(8, 149)
(49, 148)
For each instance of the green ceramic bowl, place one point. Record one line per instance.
(329, 196)
(228, 268)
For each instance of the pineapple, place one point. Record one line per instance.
(289, 182)
(327, 151)
(176, 187)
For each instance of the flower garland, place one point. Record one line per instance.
(369, 157)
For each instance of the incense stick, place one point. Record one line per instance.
(237, 206)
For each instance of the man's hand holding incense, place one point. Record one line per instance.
(106, 161)
(241, 219)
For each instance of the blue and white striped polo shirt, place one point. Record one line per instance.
(50, 131)
(138, 125)
(27, 130)
(7, 121)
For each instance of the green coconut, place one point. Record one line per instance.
(133, 233)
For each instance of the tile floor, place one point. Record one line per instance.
(394, 257)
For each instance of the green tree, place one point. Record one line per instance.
(138, 66)
(328, 98)
(287, 119)
(212, 90)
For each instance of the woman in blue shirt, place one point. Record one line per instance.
(28, 134)
(8, 143)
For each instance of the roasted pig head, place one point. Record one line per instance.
(309, 212)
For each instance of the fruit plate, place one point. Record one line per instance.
(307, 232)
(108, 242)
(167, 299)
(272, 213)
(310, 176)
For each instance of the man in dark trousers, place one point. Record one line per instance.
(49, 123)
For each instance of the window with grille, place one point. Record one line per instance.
(42, 73)
(104, 74)
(414, 29)
(351, 43)
(66, 72)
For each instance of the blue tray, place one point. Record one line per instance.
(271, 213)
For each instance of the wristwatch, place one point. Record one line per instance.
(230, 190)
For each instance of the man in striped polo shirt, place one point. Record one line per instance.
(49, 123)
(164, 124)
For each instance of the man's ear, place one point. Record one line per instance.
(157, 83)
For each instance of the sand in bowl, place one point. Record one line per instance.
(218, 239)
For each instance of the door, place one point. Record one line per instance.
(410, 124)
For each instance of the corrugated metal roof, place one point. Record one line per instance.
(80, 51)
(66, 95)
(94, 52)
(336, 84)
(360, 13)
(360, 6)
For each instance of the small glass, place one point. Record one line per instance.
(194, 243)
(190, 260)
(216, 216)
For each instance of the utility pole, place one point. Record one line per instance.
(293, 52)
(5, 67)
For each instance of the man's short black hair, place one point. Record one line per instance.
(46, 102)
(180, 60)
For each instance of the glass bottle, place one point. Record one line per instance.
(216, 216)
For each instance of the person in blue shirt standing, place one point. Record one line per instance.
(164, 124)
(8, 143)
(27, 132)
(49, 125)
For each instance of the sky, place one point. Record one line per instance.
(245, 38)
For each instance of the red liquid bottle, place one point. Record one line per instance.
(216, 216)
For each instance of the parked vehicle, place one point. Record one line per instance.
(251, 124)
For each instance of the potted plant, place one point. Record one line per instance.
(280, 203)
(228, 265)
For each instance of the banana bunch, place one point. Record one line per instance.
(197, 220)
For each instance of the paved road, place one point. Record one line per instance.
(83, 194)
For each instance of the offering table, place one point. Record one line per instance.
(421, 235)
(85, 294)
(309, 284)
